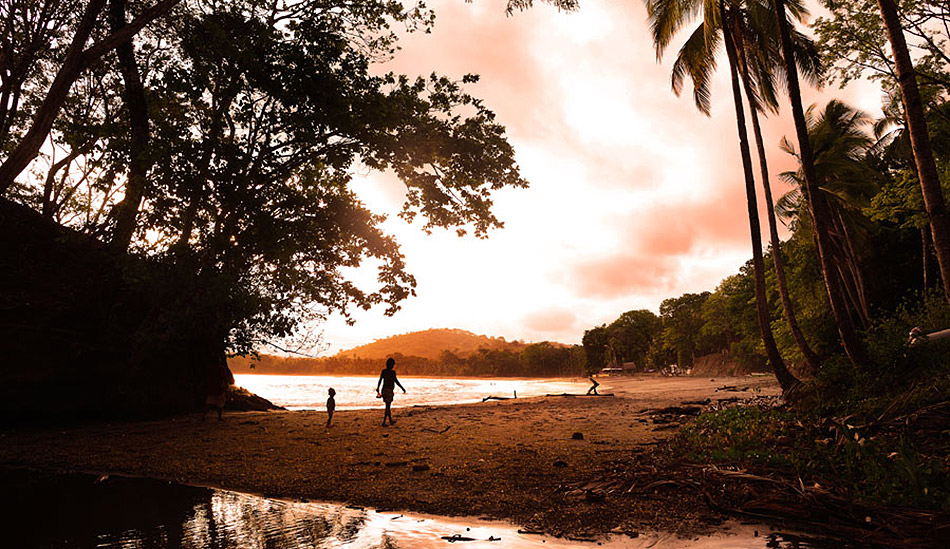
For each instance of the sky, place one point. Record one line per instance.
(634, 197)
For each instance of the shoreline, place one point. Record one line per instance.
(518, 460)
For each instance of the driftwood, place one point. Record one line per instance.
(732, 389)
(495, 398)
(457, 537)
(917, 337)
(579, 395)
(815, 509)
(437, 432)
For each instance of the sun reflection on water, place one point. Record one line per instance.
(79, 511)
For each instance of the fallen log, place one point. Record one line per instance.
(579, 395)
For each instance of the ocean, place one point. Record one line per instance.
(359, 392)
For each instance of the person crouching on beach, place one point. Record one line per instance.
(593, 388)
(387, 378)
(331, 406)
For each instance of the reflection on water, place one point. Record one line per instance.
(78, 511)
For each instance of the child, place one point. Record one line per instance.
(331, 406)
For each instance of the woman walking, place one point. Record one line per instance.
(388, 381)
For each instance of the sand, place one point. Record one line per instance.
(519, 460)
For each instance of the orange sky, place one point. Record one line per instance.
(635, 196)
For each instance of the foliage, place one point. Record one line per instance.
(261, 114)
(597, 348)
(544, 359)
(853, 40)
(630, 336)
(682, 324)
(874, 466)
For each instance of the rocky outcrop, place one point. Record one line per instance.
(242, 400)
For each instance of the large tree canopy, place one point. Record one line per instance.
(259, 116)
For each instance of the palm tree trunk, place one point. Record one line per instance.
(785, 378)
(854, 266)
(925, 259)
(920, 141)
(817, 205)
(850, 293)
(811, 358)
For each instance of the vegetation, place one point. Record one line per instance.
(214, 152)
(543, 359)
(867, 216)
(436, 352)
(430, 344)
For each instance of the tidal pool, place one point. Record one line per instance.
(80, 511)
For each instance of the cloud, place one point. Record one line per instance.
(551, 320)
(635, 196)
(619, 275)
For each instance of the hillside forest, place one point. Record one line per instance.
(435, 352)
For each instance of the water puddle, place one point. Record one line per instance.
(79, 511)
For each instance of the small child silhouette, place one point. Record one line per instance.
(331, 406)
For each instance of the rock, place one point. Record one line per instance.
(420, 468)
(242, 400)
(560, 463)
(577, 436)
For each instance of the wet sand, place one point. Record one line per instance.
(512, 459)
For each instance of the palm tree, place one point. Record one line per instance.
(697, 60)
(760, 64)
(919, 140)
(817, 205)
(847, 182)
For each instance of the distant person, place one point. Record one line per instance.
(219, 378)
(387, 378)
(593, 388)
(331, 406)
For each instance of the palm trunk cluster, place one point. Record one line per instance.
(817, 205)
(920, 141)
(784, 376)
(811, 358)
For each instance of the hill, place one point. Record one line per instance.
(430, 344)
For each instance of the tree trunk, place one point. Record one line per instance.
(785, 378)
(920, 141)
(817, 205)
(854, 266)
(925, 259)
(126, 211)
(811, 358)
(72, 66)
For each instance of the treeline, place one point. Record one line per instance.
(885, 268)
(430, 344)
(543, 359)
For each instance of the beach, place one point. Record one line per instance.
(564, 465)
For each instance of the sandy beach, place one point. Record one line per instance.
(559, 464)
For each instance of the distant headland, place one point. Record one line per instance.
(438, 351)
